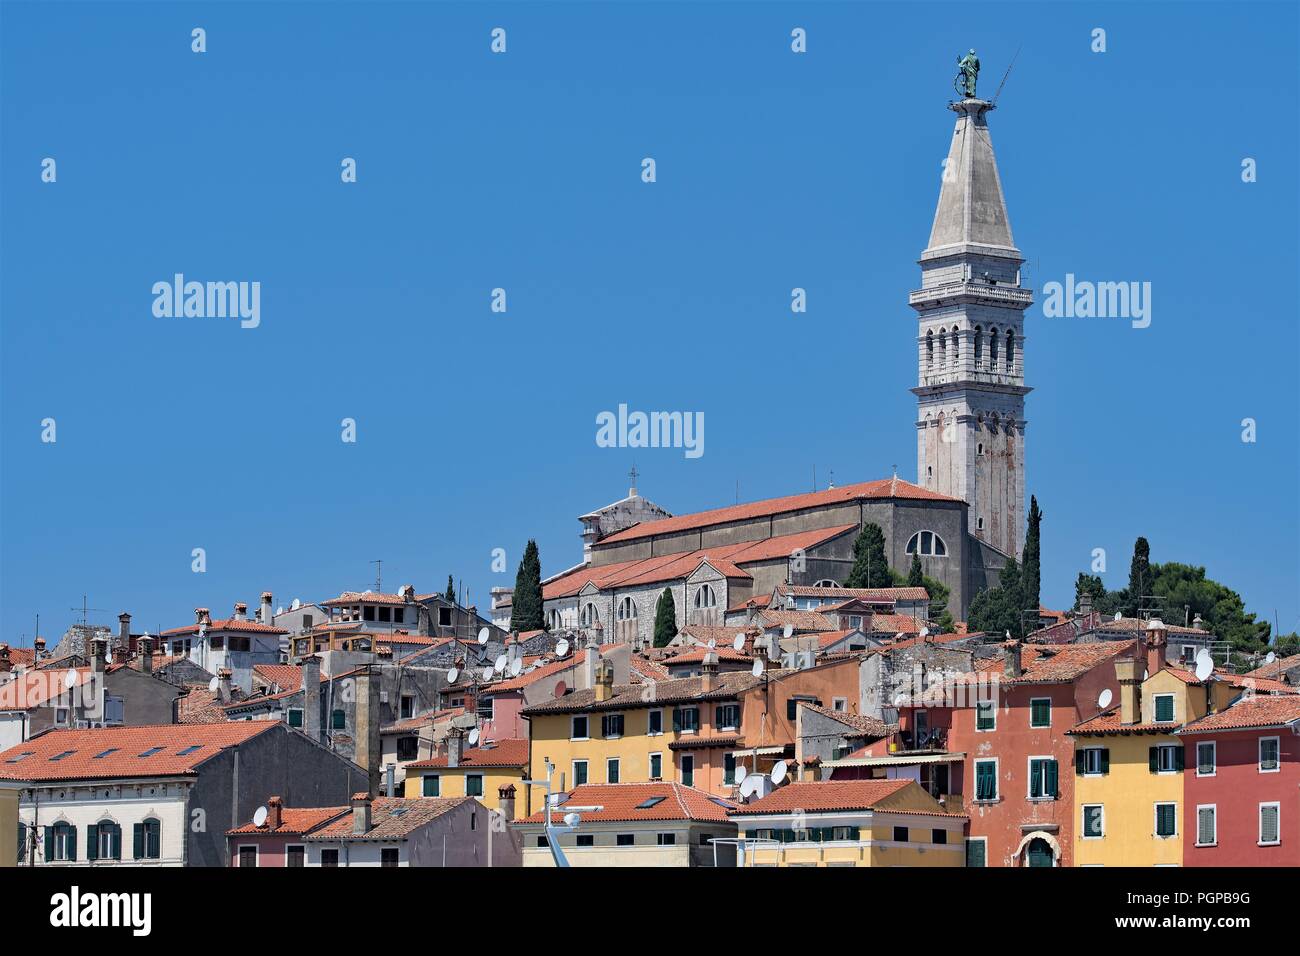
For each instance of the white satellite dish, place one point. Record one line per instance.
(779, 770)
(473, 737)
(571, 819)
(452, 675)
(925, 632)
(713, 644)
(1269, 658)
(483, 635)
(751, 784)
(1104, 698)
(1204, 664)
(757, 669)
(214, 684)
(487, 673)
(1118, 616)
(741, 772)
(561, 647)
(788, 631)
(70, 679)
(499, 665)
(739, 642)
(259, 816)
(295, 605)
(516, 666)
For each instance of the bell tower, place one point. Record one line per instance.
(970, 308)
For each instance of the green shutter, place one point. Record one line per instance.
(677, 720)
(49, 843)
(72, 843)
(295, 718)
(92, 842)
(1153, 759)
(431, 785)
(1035, 778)
(1105, 760)
(1052, 789)
(137, 839)
(115, 842)
(1080, 760)
(975, 853)
(1179, 757)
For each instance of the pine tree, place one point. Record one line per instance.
(915, 576)
(1140, 577)
(526, 609)
(450, 594)
(870, 567)
(1032, 580)
(665, 619)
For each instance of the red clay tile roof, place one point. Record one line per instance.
(121, 748)
(1108, 722)
(371, 597)
(294, 821)
(696, 655)
(706, 743)
(896, 624)
(827, 795)
(632, 696)
(648, 670)
(283, 676)
(38, 688)
(22, 656)
(884, 488)
(619, 803)
(1250, 713)
(421, 721)
(758, 600)
(870, 595)
(226, 624)
(510, 752)
(861, 725)
(1062, 663)
(799, 620)
(1277, 668)
(1261, 685)
(391, 818)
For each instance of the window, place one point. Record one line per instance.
(589, 615)
(611, 770)
(1269, 831)
(986, 715)
(705, 598)
(408, 748)
(939, 837)
(247, 857)
(432, 785)
(1206, 758)
(927, 543)
(627, 609)
(474, 785)
(385, 614)
(686, 720)
(408, 707)
(1043, 781)
(1093, 821)
(579, 728)
(1207, 829)
(99, 756)
(666, 839)
(579, 772)
(148, 753)
(399, 616)
(586, 839)
(611, 726)
(729, 769)
(656, 766)
(444, 617)
(61, 842)
(1166, 758)
(1040, 712)
(1268, 755)
(1166, 820)
(625, 839)
(295, 856)
(986, 779)
(388, 856)
(338, 720)
(104, 841)
(900, 834)
(555, 619)
(329, 857)
(148, 840)
(688, 770)
(1092, 761)
(655, 722)
(1164, 708)
(542, 842)
(977, 851)
(840, 704)
(367, 613)
(189, 750)
(726, 717)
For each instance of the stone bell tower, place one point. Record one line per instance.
(970, 385)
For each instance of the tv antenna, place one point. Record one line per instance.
(85, 615)
(379, 575)
(994, 102)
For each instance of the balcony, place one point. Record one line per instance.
(972, 292)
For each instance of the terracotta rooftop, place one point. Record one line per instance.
(226, 624)
(39, 688)
(859, 724)
(832, 795)
(799, 620)
(391, 818)
(1108, 722)
(511, 752)
(1277, 668)
(633, 802)
(870, 595)
(631, 696)
(371, 597)
(282, 676)
(696, 655)
(1249, 713)
(295, 821)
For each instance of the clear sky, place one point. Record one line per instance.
(476, 430)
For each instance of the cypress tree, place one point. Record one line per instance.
(665, 619)
(1032, 576)
(526, 608)
(450, 594)
(915, 576)
(870, 568)
(1140, 577)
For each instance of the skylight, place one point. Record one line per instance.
(18, 757)
(151, 751)
(66, 753)
(189, 750)
(650, 802)
(102, 754)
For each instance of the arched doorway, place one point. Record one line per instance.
(1038, 853)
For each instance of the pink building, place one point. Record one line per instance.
(278, 841)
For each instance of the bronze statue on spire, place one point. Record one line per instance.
(968, 71)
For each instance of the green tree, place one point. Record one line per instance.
(1103, 601)
(665, 619)
(1032, 574)
(915, 576)
(998, 610)
(526, 609)
(870, 567)
(450, 593)
(1186, 592)
(1141, 581)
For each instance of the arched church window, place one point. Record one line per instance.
(827, 583)
(929, 348)
(1011, 349)
(956, 345)
(943, 348)
(993, 349)
(705, 598)
(979, 346)
(589, 615)
(927, 543)
(554, 619)
(626, 609)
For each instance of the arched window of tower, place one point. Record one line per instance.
(1011, 350)
(589, 615)
(929, 348)
(993, 349)
(927, 543)
(979, 346)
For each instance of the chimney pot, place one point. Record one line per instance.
(5, 665)
(267, 614)
(361, 813)
(506, 801)
(241, 611)
(709, 672)
(1011, 652)
(144, 653)
(274, 813)
(455, 744)
(1157, 642)
(1128, 671)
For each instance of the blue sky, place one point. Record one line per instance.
(476, 430)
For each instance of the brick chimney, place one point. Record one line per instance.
(266, 613)
(223, 684)
(407, 593)
(202, 616)
(311, 696)
(98, 655)
(368, 751)
(361, 813)
(241, 611)
(455, 746)
(274, 813)
(38, 649)
(1157, 642)
(506, 801)
(5, 664)
(709, 672)
(123, 634)
(604, 679)
(1128, 671)
(1011, 660)
(144, 654)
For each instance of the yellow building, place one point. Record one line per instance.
(1128, 792)
(481, 772)
(850, 823)
(9, 791)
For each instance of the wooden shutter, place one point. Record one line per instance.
(72, 843)
(154, 840)
(115, 842)
(1105, 760)
(1080, 761)
(1268, 824)
(1205, 825)
(1052, 787)
(49, 844)
(92, 842)
(1179, 757)
(137, 839)
(1153, 758)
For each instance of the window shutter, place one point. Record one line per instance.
(1153, 758)
(677, 720)
(115, 842)
(1179, 758)
(137, 848)
(1080, 760)
(1105, 760)
(72, 843)
(1053, 783)
(1268, 824)
(92, 842)
(154, 834)
(1036, 779)
(49, 843)
(1205, 825)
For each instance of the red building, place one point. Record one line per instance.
(1242, 784)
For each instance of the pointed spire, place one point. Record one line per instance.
(971, 210)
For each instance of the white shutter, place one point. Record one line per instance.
(1268, 824)
(1205, 825)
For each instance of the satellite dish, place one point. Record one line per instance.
(483, 635)
(473, 737)
(499, 665)
(1204, 664)
(900, 699)
(561, 688)
(751, 784)
(1118, 616)
(741, 772)
(1269, 658)
(713, 644)
(1146, 674)
(788, 630)
(212, 684)
(571, 819)
(295, 605)
(561, 647)
(925, 632)
(739, 642)
(757, 669)
(259, 816)
(516, 666)
(779, 770)
(487, 673)
(1104, 698)
(452, 675)
(70, 679)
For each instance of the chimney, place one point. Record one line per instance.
(1157, 641)
(1085, 604)
(1197, 622)
(5, 665)
(311, 697)
(144, 653)
(202, 616)
(361, 813)
(390, 779)
(241, 611)
(266, 614)
(367, 724)
(424, 626)
(708, 673)
(1128, 671)
(455, 747)
(604, 679)
(506, 801)
(274, 813)
(407, 593)
(38, 649)
(124, 632)
(1011, 658)
(98, 655)
(223, 684)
